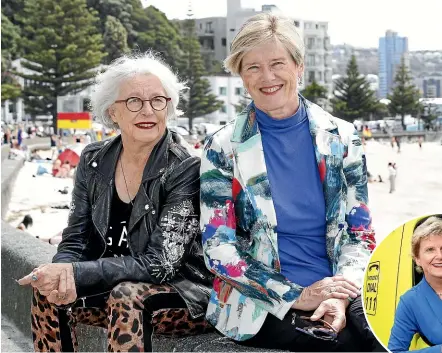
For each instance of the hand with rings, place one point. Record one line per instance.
(55, 281)
(330, 287)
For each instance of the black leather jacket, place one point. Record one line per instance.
(163, 232)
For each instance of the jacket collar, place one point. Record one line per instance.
(246, 125)
(431, 297)
(105, 160)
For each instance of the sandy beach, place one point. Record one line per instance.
(419, 190)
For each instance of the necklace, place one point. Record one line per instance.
(125, 182)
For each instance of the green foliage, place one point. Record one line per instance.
(242, 104)
(405, 97)
(122, 12)
(11, 49)
(12, 9)
(63, 49)
(10, 91)
(217, 68)
(199, 101)
(380, 111)
(161, 35)
(115, 39)
(10, 39)
(314, 92)
(353, 98)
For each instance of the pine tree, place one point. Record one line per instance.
(115, 39)
(405, 97)
(199, 100)
(63, 49)
(243, 102)
(10, 50)
(353, 97)
(121, 12)
(161, 35)
(12, 9)
(314, 92)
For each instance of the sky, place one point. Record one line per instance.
(355, 22)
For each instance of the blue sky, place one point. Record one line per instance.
(355, 22)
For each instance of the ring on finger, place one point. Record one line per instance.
(34, 277)
(62, 297)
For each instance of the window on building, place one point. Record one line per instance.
(223, 42)
(311, 76)
(319, 76)
(223, 91)
(310, 43)
(297, 23)
(211, 44)
(201, 26)
(238, 91)
(326, 43)
(317, 26)
(209, 27)
(223, 109)
(310, 60)
(327, 78)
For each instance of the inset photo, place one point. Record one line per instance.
(402, 292)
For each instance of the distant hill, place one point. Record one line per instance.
(422, 62)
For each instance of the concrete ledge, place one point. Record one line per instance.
(10, 170)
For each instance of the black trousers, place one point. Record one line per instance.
(281, 334)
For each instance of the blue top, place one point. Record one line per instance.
(419, 311)
(297, 195)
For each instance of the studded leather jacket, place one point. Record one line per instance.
(163, 231)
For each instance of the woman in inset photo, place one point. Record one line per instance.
(420, 309)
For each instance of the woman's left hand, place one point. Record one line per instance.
(66, 292)
(46, 277)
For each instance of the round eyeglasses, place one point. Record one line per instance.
(135, 104)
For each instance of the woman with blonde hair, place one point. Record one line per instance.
(286, 227)
(420, 309)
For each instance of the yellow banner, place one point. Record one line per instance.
(74, 124)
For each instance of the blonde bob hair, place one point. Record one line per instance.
(424, 228)
(260, 29)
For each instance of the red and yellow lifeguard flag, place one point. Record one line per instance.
(81, 120)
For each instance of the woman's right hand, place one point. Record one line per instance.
(330, 287)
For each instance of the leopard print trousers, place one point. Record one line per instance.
(123, 318)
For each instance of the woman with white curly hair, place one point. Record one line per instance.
(130, 258)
